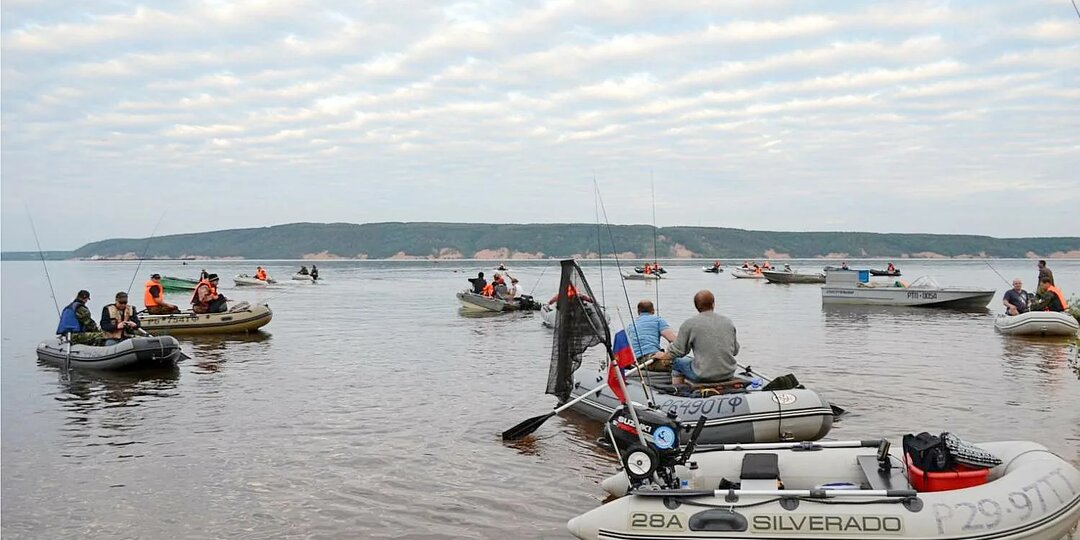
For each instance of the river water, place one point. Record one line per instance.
(370, 407)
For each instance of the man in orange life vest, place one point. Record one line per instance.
(154, 297)
(1049, 298)
(118, 319)
(260, 273)
(206, 298)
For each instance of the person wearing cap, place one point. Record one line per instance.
(206, 298)
(77, 322)
(118, 320)
(154, 297)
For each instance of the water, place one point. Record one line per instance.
(371, 408)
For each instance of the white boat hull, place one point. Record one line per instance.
(640, 277)
(248, 281)
(1034, 495)
(478, 302)
(303, 277)
(900, 296)
(743, 274)
(1037, 323)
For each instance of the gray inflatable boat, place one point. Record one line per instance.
(133, 353)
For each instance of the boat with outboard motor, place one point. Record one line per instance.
(790, 276)
(744, 409)
(853, 287)
(244, 280)
(895, 272)
(132, 353)
(470, 301)
(1037, 323)
(742, 273)
(831, 489)
(241, 317)
(654, 270)
(712, 269)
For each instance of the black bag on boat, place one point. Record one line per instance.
(783, 382)
(928, 452)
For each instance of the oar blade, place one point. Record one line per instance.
(525, 428)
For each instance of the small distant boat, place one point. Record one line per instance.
(641, 277)
(478, 302)
(170, 283)
(846, 287)
(243, 317)
(879, 273)
(303, 277)
(246, 280)
(712, 269)
(132, 353)
(837, 269)
(1037, 323)
(641, 270)
(746, 274)
(779, 276)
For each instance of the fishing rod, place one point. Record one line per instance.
(538, 280)
(599, 244)
(998, 274)
(618, 266)
(656, 283)
(145, 251)
(41, 254)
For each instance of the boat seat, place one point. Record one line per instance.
(893, 479)
(760, 471)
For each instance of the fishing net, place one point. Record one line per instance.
(578, 326)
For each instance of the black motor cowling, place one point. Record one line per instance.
(645, 464)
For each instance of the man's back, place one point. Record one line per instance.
(1045, 272)
(644, 334)
(712, 339)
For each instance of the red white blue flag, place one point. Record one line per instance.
(623, 358)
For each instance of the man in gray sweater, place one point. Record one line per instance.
(711, 337)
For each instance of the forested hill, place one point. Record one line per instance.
(508, 241)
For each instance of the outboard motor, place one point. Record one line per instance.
(652, 464)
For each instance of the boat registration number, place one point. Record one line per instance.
(1037, 499)
(672, 521)
(922, 295)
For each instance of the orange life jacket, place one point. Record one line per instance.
(489, 290)
(260, 274)
(148, 299)
(571, 291)
(1060, 295)
(119, 318)
(209, 286)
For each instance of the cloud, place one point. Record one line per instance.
(422, 111)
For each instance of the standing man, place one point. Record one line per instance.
(645, 333)
(77, 321)
(118, 319)
(154, 297)
(1016, 299)
(478, 283)
(711, 337)
(1045, 272)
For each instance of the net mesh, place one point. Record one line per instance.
(579, 324)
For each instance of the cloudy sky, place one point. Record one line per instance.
(914, 116)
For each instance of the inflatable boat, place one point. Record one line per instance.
(244, 280)
(780, 276)
(746, 274)
(749, 414)
(132, 353)
(242, 317)
(640, 277)
(856, 489)
(1037, 323)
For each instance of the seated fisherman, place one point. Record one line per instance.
(1049, 297)
(77, 321)
(154, 297)
(645, 333)
(711, 337)
(1016, 299)
(206, 298)
(118, 320)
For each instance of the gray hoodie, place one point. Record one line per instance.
(711, 337)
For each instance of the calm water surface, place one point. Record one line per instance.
(370, 407)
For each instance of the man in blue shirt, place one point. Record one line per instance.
(645, 333)
(1016, 299)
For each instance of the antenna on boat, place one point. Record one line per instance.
(41, 254)
(145, 251)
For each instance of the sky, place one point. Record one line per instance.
(915, 116)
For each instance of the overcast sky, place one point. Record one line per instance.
(921, 116)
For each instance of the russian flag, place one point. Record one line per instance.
(623, 358)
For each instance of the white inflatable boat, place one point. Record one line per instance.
(1037, 323)
(855, 489)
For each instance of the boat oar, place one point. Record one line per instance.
(532, 424)
(148, 334)
(837, 411)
